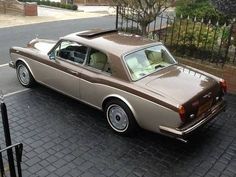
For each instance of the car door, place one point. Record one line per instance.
(64, 76)
(95, 70)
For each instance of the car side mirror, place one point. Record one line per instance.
(52, 56)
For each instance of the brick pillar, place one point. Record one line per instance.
(31, 9)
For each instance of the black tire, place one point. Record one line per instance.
(120, 112)
(24, 75)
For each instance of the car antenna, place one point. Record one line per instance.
(36, 36)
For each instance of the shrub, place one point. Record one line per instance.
(67, 6)
(47, 3)
(74, 7)
(63, 6)
(54, 4)
(195, 39)
(202, 9)
(58, 4)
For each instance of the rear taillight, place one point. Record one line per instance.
(223, 85)
(181, 111)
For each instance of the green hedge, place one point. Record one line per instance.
(201, 9)
(53, 4)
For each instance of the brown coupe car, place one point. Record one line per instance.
(134, 80)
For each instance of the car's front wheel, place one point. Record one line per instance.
(120, 117)
(24, 76)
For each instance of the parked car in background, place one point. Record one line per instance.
(134, 80)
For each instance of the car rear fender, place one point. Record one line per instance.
(115, 96)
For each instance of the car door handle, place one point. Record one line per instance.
(73, 72)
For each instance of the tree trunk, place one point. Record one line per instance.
(143, 27)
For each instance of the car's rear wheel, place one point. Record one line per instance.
(120, 117)
(24, 76)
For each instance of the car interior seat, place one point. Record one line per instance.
(133, 65)
(98, 60)
(154, 57)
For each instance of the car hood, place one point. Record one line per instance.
(179, 83)
(42, 45)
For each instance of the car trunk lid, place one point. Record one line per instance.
(180, 83)
(190, 88)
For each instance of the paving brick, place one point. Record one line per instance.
(33, 161)
(35, 168)
(63, 137)
(59, 163)
(122, 173)
(44, 163)
(88, 174)
(51, 159)
(85, 166)
(42, 172)
(94, 170)
(108, 172)
(50, 168)
(139, 172)
(75, 172)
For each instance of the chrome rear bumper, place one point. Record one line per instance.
(183, 132)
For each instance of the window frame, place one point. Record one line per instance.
(95, 69)
(84, 64)
(67, 60)
(143, 48)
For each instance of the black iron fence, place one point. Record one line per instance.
(13, 152)
(7, 167)
(186, 37)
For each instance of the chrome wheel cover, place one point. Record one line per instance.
(117, 118)
(23, 74)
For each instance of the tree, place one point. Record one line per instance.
(227, 7)
(143, 12)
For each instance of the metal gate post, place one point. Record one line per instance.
(117, 11)
(2, 172)
(7, 137)
(19, 150)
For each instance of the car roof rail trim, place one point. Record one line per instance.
(93, 33)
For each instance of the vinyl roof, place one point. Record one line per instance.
(110, 41)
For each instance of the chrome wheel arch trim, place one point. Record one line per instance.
(122, 99)
(22, 60)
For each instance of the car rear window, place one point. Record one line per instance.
(146, 61)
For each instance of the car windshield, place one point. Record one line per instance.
(146, 61)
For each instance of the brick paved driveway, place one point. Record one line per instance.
(63, 137)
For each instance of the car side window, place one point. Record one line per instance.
(98, 60)
(71, 51)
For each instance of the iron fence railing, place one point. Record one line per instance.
(7, 162)
(8, 168)
(186, 37)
